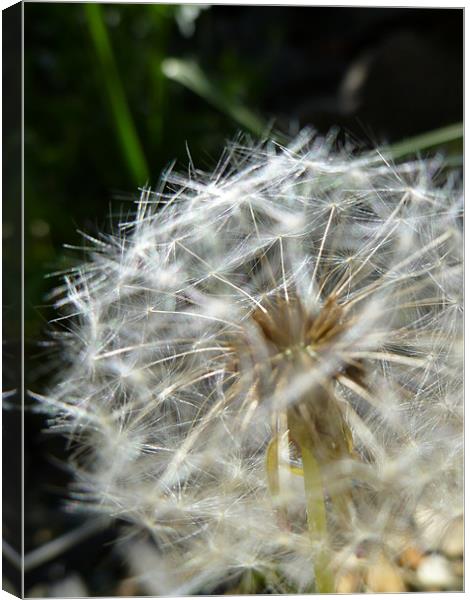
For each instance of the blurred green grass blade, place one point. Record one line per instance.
(438, 137)
(454, 161)
(190, 75)
(122, 118)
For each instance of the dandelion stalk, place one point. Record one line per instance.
(315, 505)
(272, 469)
(316, 518)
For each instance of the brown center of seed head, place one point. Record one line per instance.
(291, 342)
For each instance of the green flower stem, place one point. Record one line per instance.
(122, 118)
(316, 512)
(272, 469)
(316, 517)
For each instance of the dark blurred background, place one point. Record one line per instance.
(114, 93)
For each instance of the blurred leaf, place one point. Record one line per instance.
(190, 75)
(415, 144)
(122, 118)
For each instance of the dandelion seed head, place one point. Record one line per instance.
(298, 293)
